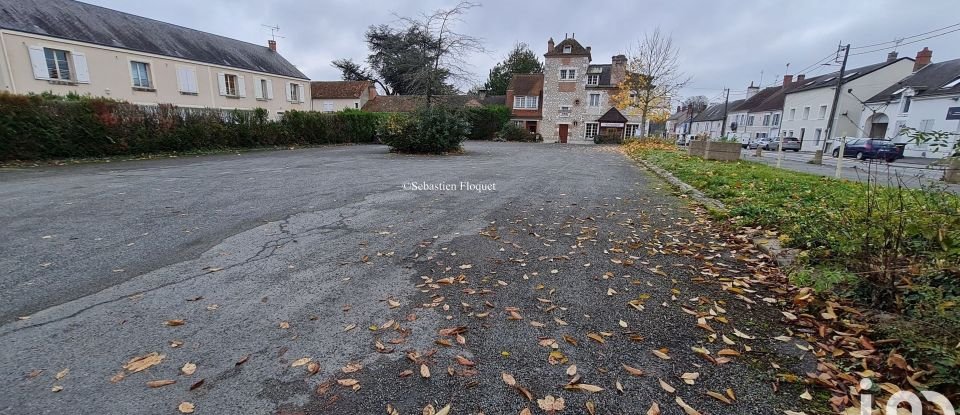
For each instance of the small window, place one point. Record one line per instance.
(631, 130)
(264, 90)
(564, 111)
(952, 84)
(766, 119)
(594, 100)
(823, 112)
(295, 93)
(806, 113)
(327, 106)
(567, 49)
(776, 119)
(750, 120)
(568, 74)
(793, 114)
(140, 71)
(593, 79)
(906, 104)
(231, 83)
(356, 105)
(57, 66)
(592, 129)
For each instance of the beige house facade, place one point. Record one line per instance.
(178, 66)
(333, 96)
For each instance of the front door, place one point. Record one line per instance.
(563, 132)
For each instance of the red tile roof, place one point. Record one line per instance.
(338, 89)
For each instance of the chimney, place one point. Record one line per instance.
(371, 91)
(800, 78)
(892, 56)
(550, 45)
(272, 44)
(482, 93)
(618, 69)
(787, 80)
(923, 59)
(588, 49)
(752, 90)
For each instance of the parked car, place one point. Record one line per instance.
(681, 141)
(757, 143)
(868, 148)
(790, 143)
(745, 142)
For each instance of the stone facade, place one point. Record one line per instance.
(568, 102)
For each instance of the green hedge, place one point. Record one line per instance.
(485, 122)
(46, 126)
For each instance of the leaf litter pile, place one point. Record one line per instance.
(611, 306)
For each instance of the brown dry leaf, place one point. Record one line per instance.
(313, 368)
(687, 408)
(62, 374)
(632, 370)
(572, 370)
(428, 410)
(350, 327)
(424, 371)
(242, 360)
(445, 410)
(666, 386)
(188, 369)
(393, 303)
(596, 337)
(301, 362)
(508, 379)
(185, 408)
(690, 377)
(348, 382)
(284, 325)
(719, 397)
(142, 362)
(197, 384)
(56, 388)
(591, 408)
(351, 367)
(464, 361)
(160, 383)
(118, 377)
(654, 409)
(525, 411)
(174, 323)
(585, 387)
(806, 395)
(551, 404)
(660, 354)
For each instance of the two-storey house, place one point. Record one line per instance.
(807, 106)
(525, 100)
(928, 100)
(333, 96)
(65, 46)
(760, 114)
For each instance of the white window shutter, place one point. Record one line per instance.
(80, 67)
(241, 87)
(192, 78)
(302, 98)
(222, 81)
(269, 89)
(39, 63)
(182, 82)
(258, 88)
(287, 89)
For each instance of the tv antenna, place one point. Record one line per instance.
(273, 31)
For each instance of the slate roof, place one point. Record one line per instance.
(829, 80)
(409, 103)
(576, 49)
(494, 100)
(73, 20)
(526, 84)
(604, 71)
(338, 89)
(928, 81)
(612, 115)
(715, 112)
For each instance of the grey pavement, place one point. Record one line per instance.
(912, 172)
(267, 258)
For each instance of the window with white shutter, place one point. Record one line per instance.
(187, 80)
(269, 91)
(241, 87)
(82, 72)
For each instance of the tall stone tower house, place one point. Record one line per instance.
(576, 95)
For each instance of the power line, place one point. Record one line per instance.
(906, 43)
(898, 41)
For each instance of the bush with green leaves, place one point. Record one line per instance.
(434, 130)
(49, 126)
(513, 132)
(486, 121)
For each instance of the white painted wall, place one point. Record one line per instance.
(925, 114)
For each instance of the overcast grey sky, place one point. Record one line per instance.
(722, 43)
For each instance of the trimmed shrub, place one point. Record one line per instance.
(608, 139)
(486, 121)
(511, 132)
(49, 126)
(433, 130)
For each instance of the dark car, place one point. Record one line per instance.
(868, 148)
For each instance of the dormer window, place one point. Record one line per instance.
(567, 49)
(593, 79)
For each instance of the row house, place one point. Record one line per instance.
(760, 113)
(333, 96)
(807, 105)
(576, 105)
(65, 46)
(709, 123)
(927, 100)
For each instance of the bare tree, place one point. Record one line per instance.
(444, 47)
(653, 77)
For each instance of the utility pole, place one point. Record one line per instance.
(818, 158)
(726, 101)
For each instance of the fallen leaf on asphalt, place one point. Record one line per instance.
(284, 325)
(424, 371)
(666, 386)
(596, 337)
(350, 327)
(464, 361)
(632, 370)
(654, 409)
(444, 411)
(62, 374)
(508, 379)
(301, 362)
(572, 370)
(160, 383)
(143, 362)
(806, 395)
(188, 368)
(719, 397)
(742, 335)
(185, 407)
(351, 367)
(661, 355)
(584, 387)
(174, 323)
(313, 368)
(393, 303)
(687, 408)
(794, 413)
(690, 377)
(348, 382)
(242, 360)
(118, 377)
(551, 404)
(56, 388)
(196, 384)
